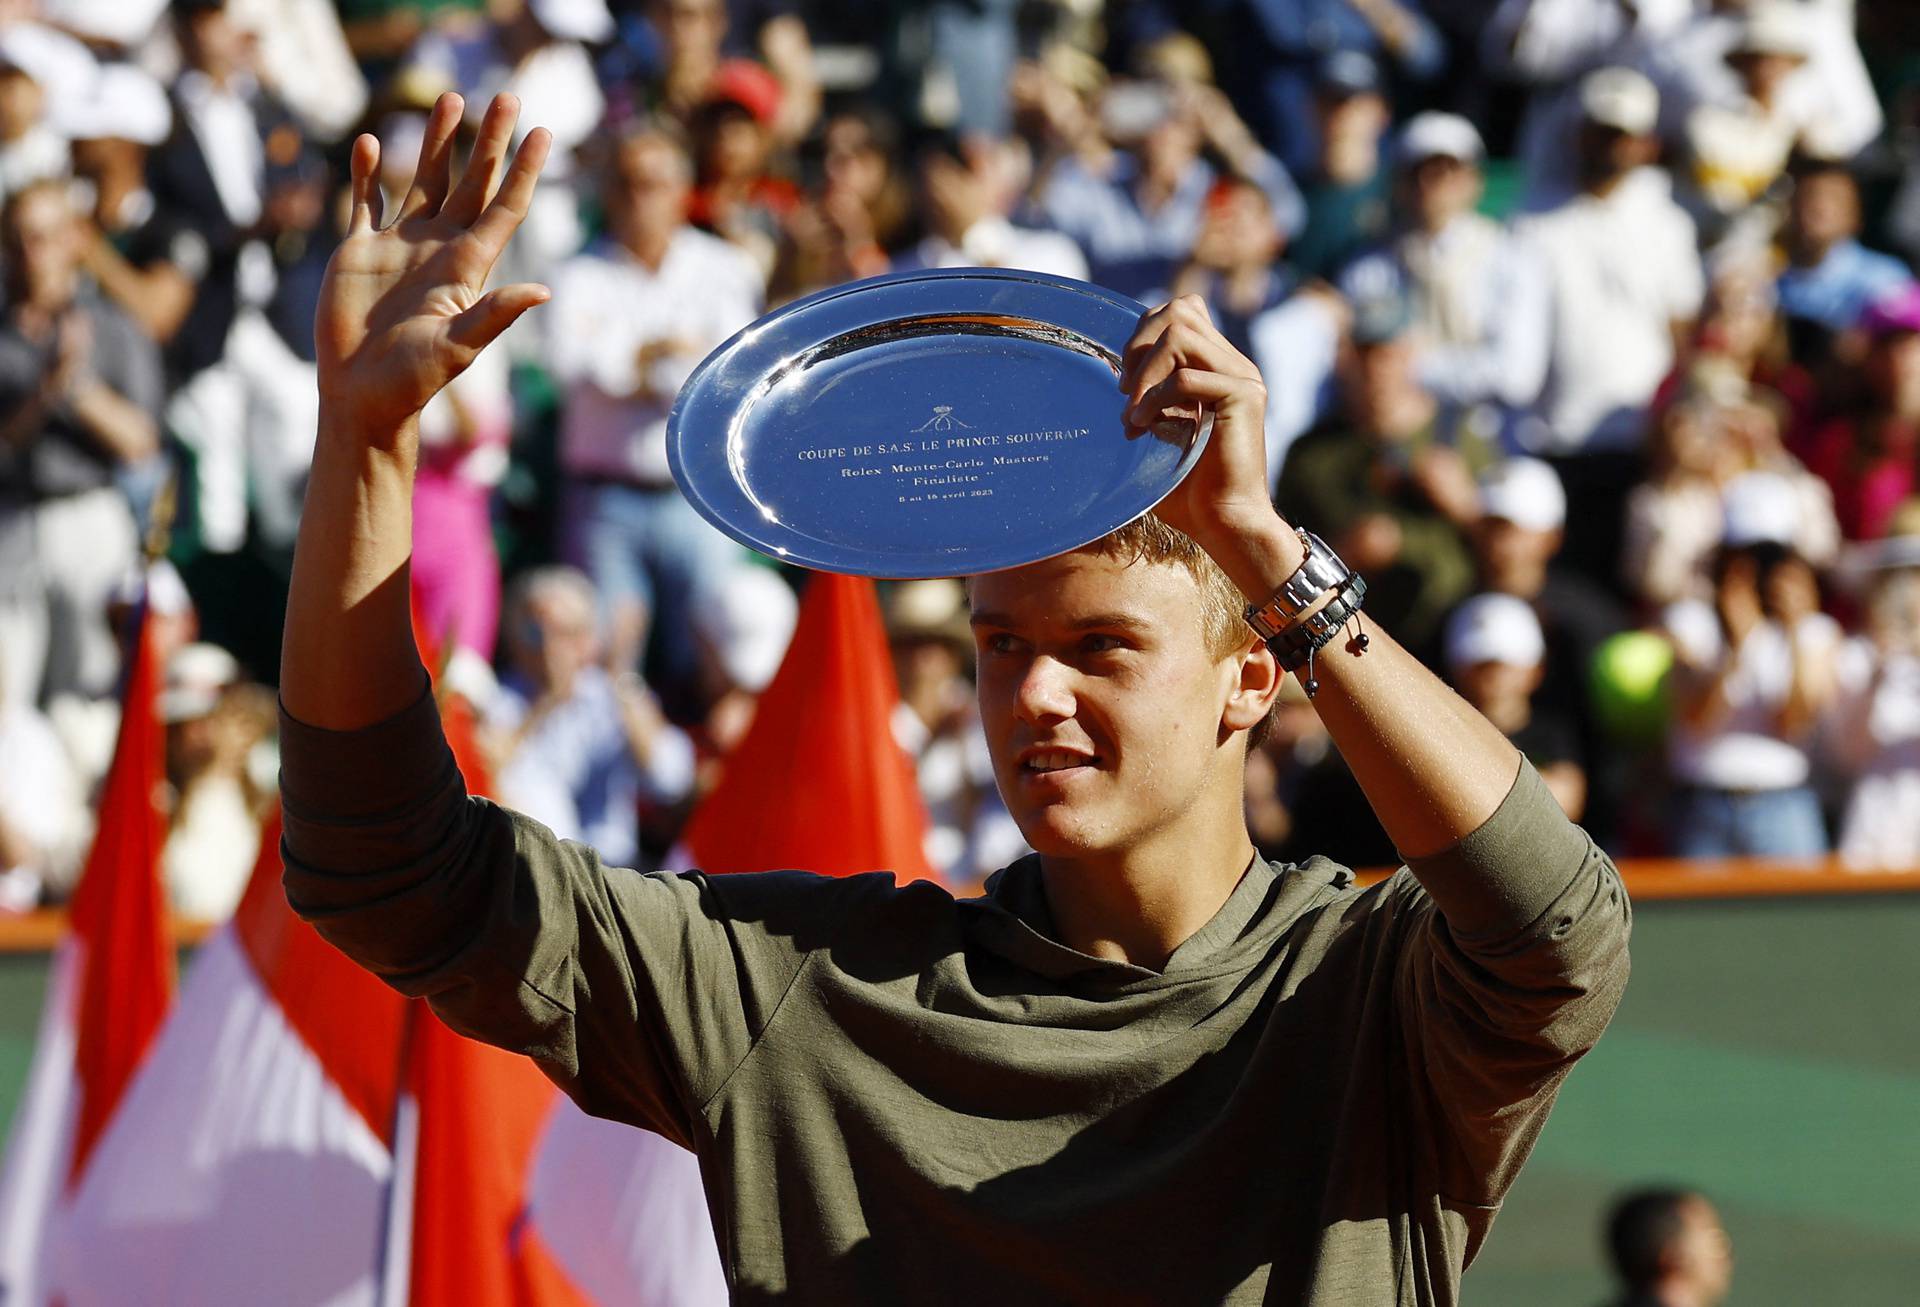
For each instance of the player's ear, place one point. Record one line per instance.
(1253, 694)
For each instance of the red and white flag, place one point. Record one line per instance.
(108, 990)
(299, 1134)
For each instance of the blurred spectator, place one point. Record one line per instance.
(1873, 731)
(631, 316)
(735, 195)
(1754, 671)
(240, 402)
(380, 31)
(937, 721)
(1496, 656)
(80, 392)
(464, 436)
(743, 627)
(1868, 457)
(303, 55)
(1479, 305)
(1272, 50)
(44, 822)
(572, 746)
(144, 256)
(538, 53)
(855, 213)
(964, 228)
(1136, 209)
(1517, 551)
(1345, 190)
(1717, 429)
(1829, 277)
(700, 45)
(1625, 283)
(1738, 146)
(1390, 480)
(113, 24)
(214, 723)
(1550, 46)
(1236, 262)
(1826, 100)
(30, 147)
(1668, 1249)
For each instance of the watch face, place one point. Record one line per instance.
(925, 424)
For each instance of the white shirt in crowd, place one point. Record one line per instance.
(606, 306)
(221, 120)
(210, 850)
(996, 243)
(1743, 750)
(1620, 271)
(1873, 730)
(1295, 344)
(42, 802)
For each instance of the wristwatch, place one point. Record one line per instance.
(1328, 592)
(1318, 573)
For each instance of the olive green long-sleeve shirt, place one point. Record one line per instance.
(900, 1098)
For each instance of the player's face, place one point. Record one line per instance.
(1101, 700)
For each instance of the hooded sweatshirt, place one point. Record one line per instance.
(897, 1097)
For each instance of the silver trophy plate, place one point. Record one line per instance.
(925, 424)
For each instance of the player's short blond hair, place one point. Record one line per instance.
(1147, 539)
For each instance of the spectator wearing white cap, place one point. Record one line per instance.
(1548, 46)
(1754, 669)
(1624, 281)
(1479, 305)
(570, 745)
(145, 257)
(1496, 657)
(215, 721)
(1516, 551)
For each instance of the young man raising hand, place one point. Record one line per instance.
(1145, 1066)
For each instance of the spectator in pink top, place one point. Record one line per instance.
(1869, 457)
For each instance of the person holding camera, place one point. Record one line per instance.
(1753, 671)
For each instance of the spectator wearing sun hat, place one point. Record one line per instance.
(1496, 656)
(1754, 670)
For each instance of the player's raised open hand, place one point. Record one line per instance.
(404, 307)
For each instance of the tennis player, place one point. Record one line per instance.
(1145, 1067)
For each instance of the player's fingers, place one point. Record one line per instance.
(471, 196)
(364, 170)
(434, 172)
(1186, 390)
(509, 206)
(1146, 334)
(493, 313)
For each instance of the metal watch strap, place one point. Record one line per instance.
(1320, 571)
(1294, 647)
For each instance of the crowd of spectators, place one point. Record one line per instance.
(1590, 329)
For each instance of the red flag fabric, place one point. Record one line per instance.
(119, 917)
(819, 782)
